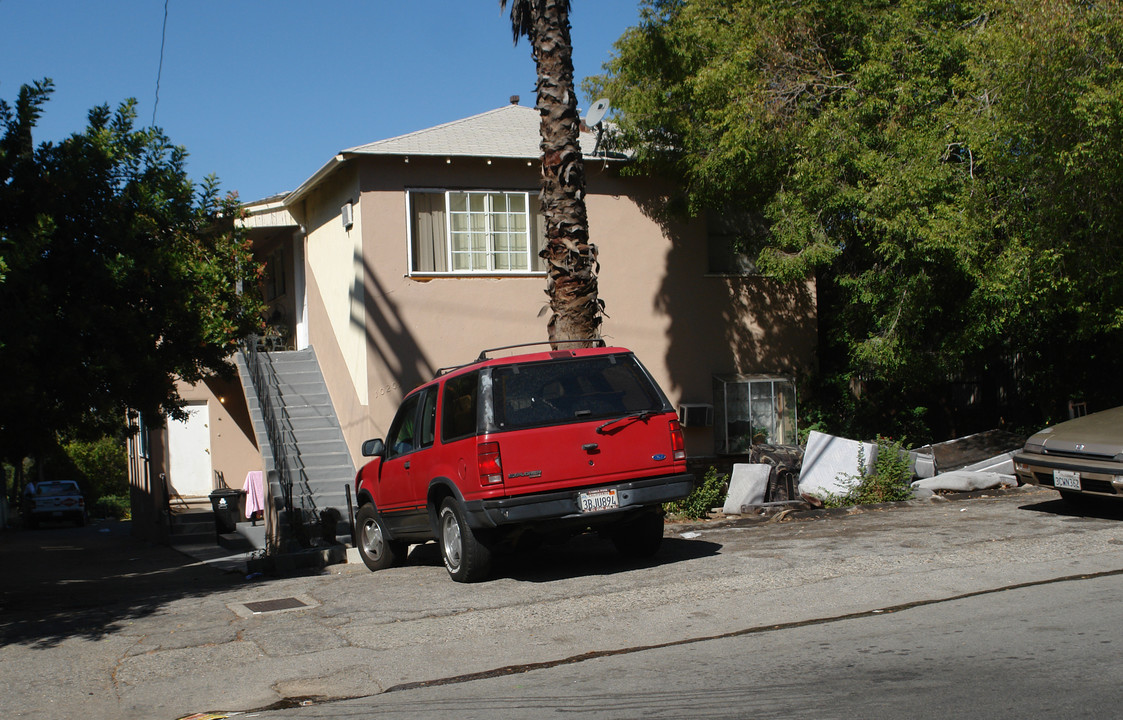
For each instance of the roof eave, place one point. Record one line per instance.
(306, 187)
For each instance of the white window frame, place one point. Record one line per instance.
(531, 224)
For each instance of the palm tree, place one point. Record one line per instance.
(571, 261)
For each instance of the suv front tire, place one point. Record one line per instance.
(377, 552)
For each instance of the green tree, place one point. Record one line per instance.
(947, 171)
(571, 260)
(121, 276)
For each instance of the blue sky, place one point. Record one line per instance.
(263, 92)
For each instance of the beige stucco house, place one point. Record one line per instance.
(414, 253)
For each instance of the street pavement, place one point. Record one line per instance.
(96, 624)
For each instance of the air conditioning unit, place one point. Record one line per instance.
(696, 415)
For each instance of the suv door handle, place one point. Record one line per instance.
(406, 465)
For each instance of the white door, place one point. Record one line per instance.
(189, 453)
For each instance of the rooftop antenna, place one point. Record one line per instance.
(594, 118)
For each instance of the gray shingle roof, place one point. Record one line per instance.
(511, 131)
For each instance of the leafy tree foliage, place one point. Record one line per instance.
(949, 172)
(120, 275)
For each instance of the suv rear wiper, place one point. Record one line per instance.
(640, 415)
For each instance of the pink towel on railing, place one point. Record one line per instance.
(255, 493)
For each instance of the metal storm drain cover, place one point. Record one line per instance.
(274, 605)
(260, 607)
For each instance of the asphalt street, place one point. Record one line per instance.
(97, 625)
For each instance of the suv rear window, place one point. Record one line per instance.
(557, 391)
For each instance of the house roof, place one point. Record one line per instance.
(512, 131)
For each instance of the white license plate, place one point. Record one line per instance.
(1066, 479)
(597, 500)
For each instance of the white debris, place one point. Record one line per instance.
(747, 486)
(966, 481)
(830, 461)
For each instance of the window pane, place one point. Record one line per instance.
(458, 418)
(428, 418)
(476, 202)
(457, 202)
(557, 391)
(498, 223)
(459, 222)
(401, 436)
(517, 202)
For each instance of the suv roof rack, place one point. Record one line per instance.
(597, 342)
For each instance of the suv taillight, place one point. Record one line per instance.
(678, 447)
(491, 468)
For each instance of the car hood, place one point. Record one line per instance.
(1099, 434)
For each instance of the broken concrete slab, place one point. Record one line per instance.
(747, 486)
(829, 462)
(1002, 464)
(966, 451)
(965, 481)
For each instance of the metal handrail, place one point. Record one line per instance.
(278, 433)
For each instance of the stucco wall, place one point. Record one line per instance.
(332, 254)
(684, 325)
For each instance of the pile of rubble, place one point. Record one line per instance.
(793, 476)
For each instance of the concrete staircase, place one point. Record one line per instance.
(313, 439)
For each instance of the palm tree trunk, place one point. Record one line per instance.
(571, 261)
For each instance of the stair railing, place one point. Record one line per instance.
(297, 493)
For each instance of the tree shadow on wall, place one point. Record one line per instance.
(745, 324)
(388, 336)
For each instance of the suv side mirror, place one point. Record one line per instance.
(374, 448)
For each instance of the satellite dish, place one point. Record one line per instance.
(596, 112)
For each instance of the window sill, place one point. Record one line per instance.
(477, 275)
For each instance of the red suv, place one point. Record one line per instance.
(541, 444)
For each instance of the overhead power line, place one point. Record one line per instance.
(160, 69)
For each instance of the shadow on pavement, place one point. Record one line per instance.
(61, 583)
(583, 556)
(1086, 508)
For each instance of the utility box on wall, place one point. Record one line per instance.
(753, 409)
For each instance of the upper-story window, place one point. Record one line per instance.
(474, 232)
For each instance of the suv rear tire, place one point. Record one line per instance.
(378, 552)
(466, 558)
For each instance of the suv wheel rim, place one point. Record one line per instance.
(372, 538)
(450, 537)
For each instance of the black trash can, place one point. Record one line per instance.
(224, 502)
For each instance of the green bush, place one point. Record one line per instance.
(113, 506)
(710, 494)
(889, 481)
(102, 466)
